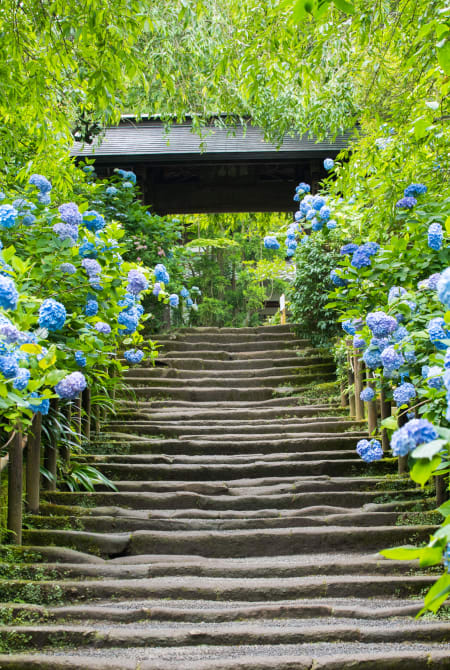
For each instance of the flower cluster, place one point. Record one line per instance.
(369, 451)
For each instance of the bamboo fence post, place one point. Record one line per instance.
(15, 489)
(351, 379)
(402, 460)
(51, 452)
(359, 404)
(33, 475)
(385, 407)
(372, 413)
(86, 405)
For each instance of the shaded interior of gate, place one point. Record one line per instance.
(181, 172)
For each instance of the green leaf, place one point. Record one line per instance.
(429, 449)
(431, 555)
(405, 553)
(390, 423)
(345, 6)
(437, 594)
(444, 509)
(443, 55)
(423, 469)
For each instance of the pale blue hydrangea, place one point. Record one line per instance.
(44, 198)
(404, 393)
(372, 358)
(80, 359)
(173, 300)
(381, 324)
(325, 213)
(421, 430)
(367, 394)
(400, 334)
(369, 451)
(437, 332)
(156, 289)
(443, 288)
(435, 236)
(433, 281)
(127, 185)
(134, 356)
(161, 274)
(359, 342)
(111, 191)
(8, 216)
(402, 442)
(67, 268)
(395, 293)
(70, 213)
(65, 231)
(8, 293)
(93, 221)
(21, 380)
(328, 164)
(270, 242)
(331, 224)
(8, 366)
(38, 404)
(311, 214)
(41, 183)
(318, 202)
(137, 282)
(91, 307)
(391, 358)
(410, 356)
(184, 292)
(435, 377)
(126, 175)
(103, 327)
(303, 188)
(129, 318)
(52, 315)
(71, 386)
(91, 266)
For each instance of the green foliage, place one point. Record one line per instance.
(314, 260)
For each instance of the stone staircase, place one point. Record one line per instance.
(243, 535)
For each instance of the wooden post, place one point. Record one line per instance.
(385, 413)
(441, 485)
(351, 380)
(76, 413)
(65, 448)
(283, 309)
(359, 404)
(344, 396)
(33, 475)
(402, 460)
(15, 489)
(97, 422)
(86, 405)
(51, 452)
(372, 415)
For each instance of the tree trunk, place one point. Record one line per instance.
(15, 490)
(33, 475)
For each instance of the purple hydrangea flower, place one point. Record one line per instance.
(406, 203)
(381, 324)
(134, 356)
(71, 386)
(156, 289)
(103, 327)
(9, 332)
(433, 281)
(65, 231)
(137, 282)
(325, 213)
(52, 315)
(303, 188)
(359, 342)
(92, 267)
(70, 214)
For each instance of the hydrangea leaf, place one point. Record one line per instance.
(30, 348)
(404, 553)
(429, 449)
(423, 469)
(437, 594)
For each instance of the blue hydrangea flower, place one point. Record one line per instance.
(392, 359)
(87, 250)
(92, 267)
(270, 242)
(173, 300)
(93, 221)
(404, 393)
(71, 386)
(435, 236)
(328, 164)
(414, 189)
(447, 359)
(41, 183)
(349, 327)
(311, 214)
(137, 282)
(21, 380)
(127, 301)
(127, 184)
(103, 327)
(395, 293)
(80, 359)
(443, 288)
(127, 175)
(359, 342)
(41, 405)
(369, 451)
(65, 231)
(70, 213)
(446, 557)
(8, 216)
(134, 356)
(435, 373)
(406, 203)
(189, 302)
(410, 356)
(331, 224)
(381, 324)
(337, 280)
(88, 169)
(325, 213)
(52, 315)
(433, 281)
(303, 188)
(8, 331)
(421, 430)
(129, 318)
(161, 274)
(111, 191)
(348, 249)
(437, 332)
(68, 268)
(8, 293)
(370, 248)
(400, 334)
(372, 358)
(367, 394)
(402, 442)
(44, 198)
(318, 202)
(156, 289)
(184, 292)
(8, 366)
(360, 259)
(91, 307)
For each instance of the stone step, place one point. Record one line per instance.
(201, 394)
(252, 330)
(190, 412)
(287, 360)
(205, 344)
(230, 426)
(231, 543)
(301, 367)
(208, 354)
(258, 406)
(230, 382)
(251, 431)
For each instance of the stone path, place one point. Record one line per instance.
(244, 533)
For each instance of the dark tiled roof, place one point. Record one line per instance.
(149, 138)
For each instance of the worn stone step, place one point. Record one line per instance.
(188, 412)
(253, 431)
(261, 405)
(206, 354)
(230, 426)
(205, 344)
(200, 394)
(251, 330)
(232, 543)
(302, 366)
(289, 359)
(298, 380)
